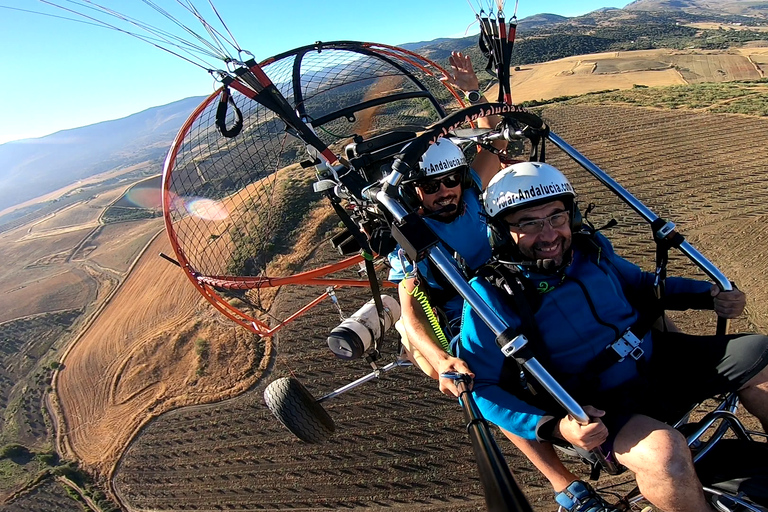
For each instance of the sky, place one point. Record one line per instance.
(59, 74)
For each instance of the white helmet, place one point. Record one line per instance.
(442, 157)
(525, 184)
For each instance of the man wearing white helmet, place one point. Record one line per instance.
(586, 301)
(448, 197)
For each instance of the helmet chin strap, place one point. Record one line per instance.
(453, 209)
(445, 209)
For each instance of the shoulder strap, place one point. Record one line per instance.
(526, 302)
(650, 305)
(440, 296)
(517, 381)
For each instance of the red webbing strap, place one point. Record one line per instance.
(255, 84)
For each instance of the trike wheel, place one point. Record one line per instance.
(298, 410)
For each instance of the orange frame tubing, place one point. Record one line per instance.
(253, 324)
(310, 277)
(206, 284)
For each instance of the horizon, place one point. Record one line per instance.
(123, 82)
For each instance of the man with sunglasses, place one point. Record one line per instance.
(585, 312)
(448, 198)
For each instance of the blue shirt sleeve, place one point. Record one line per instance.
(635, 279)
(396, 270)
(478, 348)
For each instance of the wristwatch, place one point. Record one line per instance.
(473, 97)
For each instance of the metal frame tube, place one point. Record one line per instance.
(694, 255)
(362, 380)
(502, 493)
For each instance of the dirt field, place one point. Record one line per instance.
(116, 246)
(623, 70)
(40, 273)
(35, 278)
(716, 26)
(399, 443)
(138, 358)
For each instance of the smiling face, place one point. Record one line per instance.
(443, 196)
(551, 242)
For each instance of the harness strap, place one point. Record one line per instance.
(666, 238)
(441, 296)
(511, 283)
(370, 269)
(617, 352)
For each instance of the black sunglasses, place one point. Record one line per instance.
(432, 186)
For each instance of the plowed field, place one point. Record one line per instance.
(623, 70)
(137, 359)
(400, 444)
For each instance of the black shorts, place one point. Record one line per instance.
(684, 370)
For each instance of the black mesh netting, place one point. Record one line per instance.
(239, 203)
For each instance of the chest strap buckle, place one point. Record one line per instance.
(628, 345)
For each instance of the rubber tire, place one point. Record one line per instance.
(298, 410)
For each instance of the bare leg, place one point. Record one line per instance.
(546, 460)
(661, 461)
(665, 324)
(754, 396)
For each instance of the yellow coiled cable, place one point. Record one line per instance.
(421, 297)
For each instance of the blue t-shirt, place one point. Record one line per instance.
(579, 316)
(466, 234)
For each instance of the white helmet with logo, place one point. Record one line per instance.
(442, 157)
(523, 185)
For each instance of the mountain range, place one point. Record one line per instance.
(34, 167)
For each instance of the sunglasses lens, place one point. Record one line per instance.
(432, 186)
(452, 180)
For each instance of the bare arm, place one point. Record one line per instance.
(546, 460)
(422, 338)
(485, 164)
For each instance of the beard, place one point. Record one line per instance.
(555, 250)
(446, 216)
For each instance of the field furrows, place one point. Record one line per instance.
(47, 496)
(705, 172)
(702, 177)
(399, 443)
